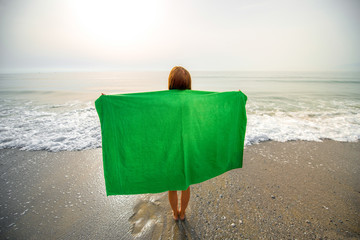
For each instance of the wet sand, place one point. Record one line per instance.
(292, 190)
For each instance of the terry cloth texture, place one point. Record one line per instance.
(167, 140)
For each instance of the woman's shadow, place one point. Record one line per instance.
(186, 231)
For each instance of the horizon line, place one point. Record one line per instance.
(153, 70)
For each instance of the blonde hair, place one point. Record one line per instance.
(179, 78)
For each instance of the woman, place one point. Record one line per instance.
(179, 78)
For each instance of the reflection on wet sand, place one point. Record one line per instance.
(152, 219)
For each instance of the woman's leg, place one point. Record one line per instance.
(185, 197)
(173, 199)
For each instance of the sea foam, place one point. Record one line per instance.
(66, 127)
(75, 125)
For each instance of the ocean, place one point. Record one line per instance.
(55, 111)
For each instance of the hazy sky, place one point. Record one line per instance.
(77, 35)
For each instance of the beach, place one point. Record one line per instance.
(285, 190)
(274, 82)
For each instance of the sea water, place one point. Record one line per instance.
(55, 111)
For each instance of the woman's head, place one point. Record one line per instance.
(179, 78)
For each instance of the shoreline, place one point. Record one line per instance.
(296, 189)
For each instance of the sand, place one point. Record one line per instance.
(292, 190)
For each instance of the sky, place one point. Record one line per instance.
(209, 35)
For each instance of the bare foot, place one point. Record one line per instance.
(176, 216)
(182, 215)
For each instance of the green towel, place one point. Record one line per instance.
(167, 140)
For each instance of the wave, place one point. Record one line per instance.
(63, 127)
(75, 125)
